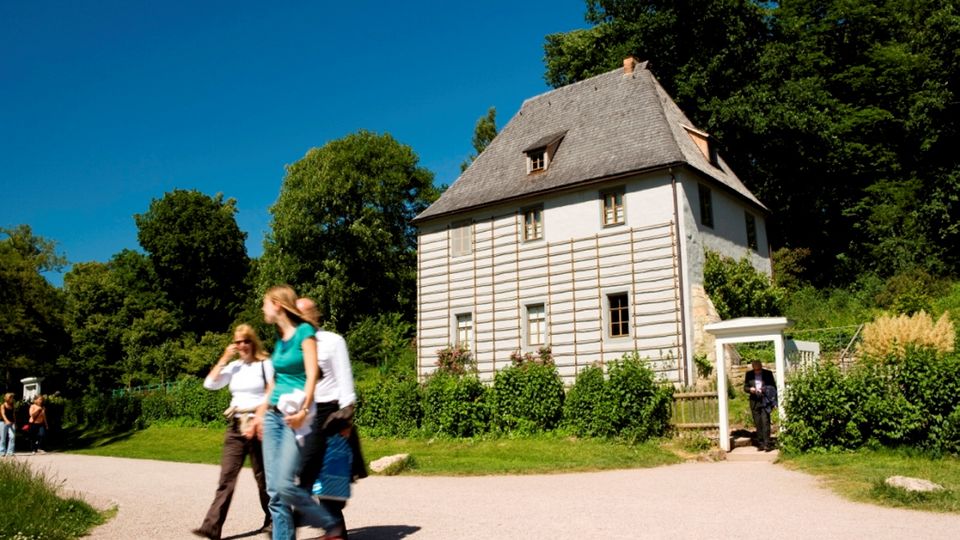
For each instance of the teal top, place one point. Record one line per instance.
(289, 373)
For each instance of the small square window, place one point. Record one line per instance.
(464, 330)
(461, 239)
(532, 224)
(619, 315)
(612, 207)
(536, 325)
(537, 160)
(751, 223)
(706, 206)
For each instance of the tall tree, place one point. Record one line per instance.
(483, 134)
(32, 333)
(198, 253)
(341, 227)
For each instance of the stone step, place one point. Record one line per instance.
(751, 454)
(740, 442)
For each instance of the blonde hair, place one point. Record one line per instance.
(8, 396)
(248, 332)
(287, 298)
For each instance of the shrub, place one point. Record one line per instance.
(628, 403)
(737, 289)
(385, 341)
(455, 360)
(890, 336)
(528, 397)
(389, 405)
(909, 291)
(194, 402)
(455, 405)
(820, 411)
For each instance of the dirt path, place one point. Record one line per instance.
(695, 500)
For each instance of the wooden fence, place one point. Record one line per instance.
(696, 410)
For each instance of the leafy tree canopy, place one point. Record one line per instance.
(341, 228)
(198, 253)
(483, 134)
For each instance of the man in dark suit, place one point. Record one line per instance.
(762, 388)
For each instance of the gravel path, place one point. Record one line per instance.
(695, 500)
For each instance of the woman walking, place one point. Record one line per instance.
(38, 423)
(245, 368)
(8, 431)
(295, 365)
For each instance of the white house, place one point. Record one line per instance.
(583, 227)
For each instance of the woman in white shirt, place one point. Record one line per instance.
(244, 366)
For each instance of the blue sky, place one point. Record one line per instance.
(106, 105)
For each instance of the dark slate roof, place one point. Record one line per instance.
(611, 124)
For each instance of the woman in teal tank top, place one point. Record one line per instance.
(295, 368)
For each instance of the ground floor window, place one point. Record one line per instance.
(619, 315)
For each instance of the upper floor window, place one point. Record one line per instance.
(619, 315)
(461, 239)
(536, 325)
(533, 224)
(706, 206)
(612, 202)
(751, 223)
(536, 160)
(464, 330)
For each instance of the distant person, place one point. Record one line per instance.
(8, 431)
(762, 387)
(286, 412)
(335, 398)
(38, 424)
(245, 368)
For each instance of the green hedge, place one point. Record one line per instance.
(389, 406)
(527, 398)
(456, 405)
(890, 402)
(628, 402)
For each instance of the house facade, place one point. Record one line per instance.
(583, 227)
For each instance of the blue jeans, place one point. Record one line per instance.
(8, 439)
(281, 456)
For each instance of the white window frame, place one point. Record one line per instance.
(537, 231)
(538, 165)
(461, 238)
(615, 218)
(464, 331)
(528, 321)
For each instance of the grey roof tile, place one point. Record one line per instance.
(611, 124)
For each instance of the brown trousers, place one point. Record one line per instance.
(236, 448)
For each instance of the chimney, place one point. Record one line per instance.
(628, 64)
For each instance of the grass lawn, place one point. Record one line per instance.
(859, 476)
(515, 455)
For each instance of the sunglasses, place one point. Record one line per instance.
(242, 342)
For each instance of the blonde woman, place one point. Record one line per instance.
(295, 364)
(8, 431)
(245, 367)
(38, 423)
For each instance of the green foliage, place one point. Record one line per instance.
(704, 366)
(32, 329)
(385, 341)
(527, 397)
(908, 402)
(737, 289)
(341, 231)
(789, 267)
(456, 405)
(37, 509)
(198, 253)
(627, 403)
(389, 405)
(456, 360)
(483, 134)
(910, 291)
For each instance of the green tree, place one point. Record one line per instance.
(341, 228)
(32, 332)
(198, 253)
(483, 134)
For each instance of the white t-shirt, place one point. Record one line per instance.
(336, 383)
(248, 382)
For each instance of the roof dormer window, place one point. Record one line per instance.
(541, 153)
(704, 144)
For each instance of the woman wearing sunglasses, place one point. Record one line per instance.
(245, 367)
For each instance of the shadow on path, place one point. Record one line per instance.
(382, 532)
